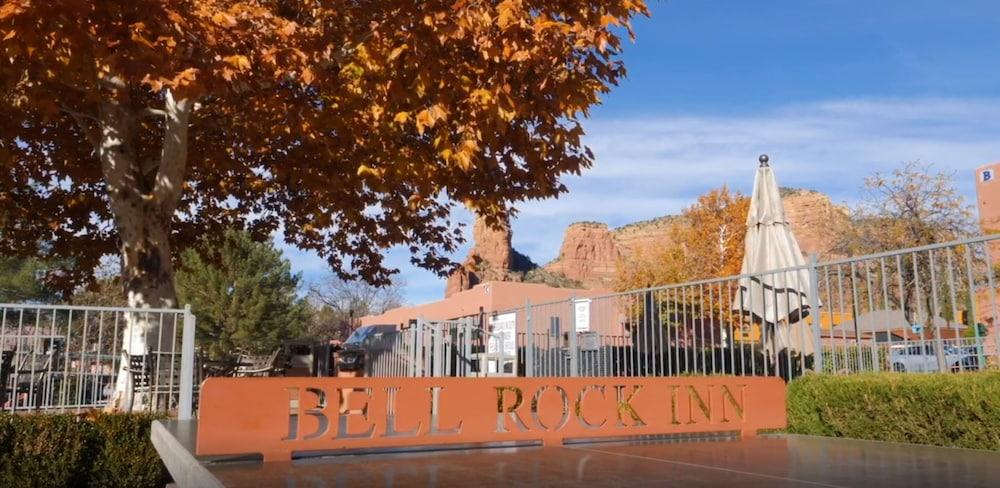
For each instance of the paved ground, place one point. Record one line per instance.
(761, 462)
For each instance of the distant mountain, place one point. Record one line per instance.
(590, 251)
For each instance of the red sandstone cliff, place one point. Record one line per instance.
(488, 260)
(590, 251)
(589, 254)
(814, 219)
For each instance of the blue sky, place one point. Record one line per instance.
(831, 90)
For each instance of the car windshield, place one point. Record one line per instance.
(360, 335)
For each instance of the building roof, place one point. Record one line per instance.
(492, 296)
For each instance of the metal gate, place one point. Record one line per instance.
(437, 349)
(58, 358)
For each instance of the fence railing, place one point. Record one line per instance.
(74, 358)
(927, 308)
(435, 349)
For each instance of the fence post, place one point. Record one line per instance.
(410, 351)
(437, 351)
(467, 339)
(814, 310)
(574, 351)
(529, 342)
(417, 348)
(186, 400)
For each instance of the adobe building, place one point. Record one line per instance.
(988, 200)
(553, 307)
(988, 203)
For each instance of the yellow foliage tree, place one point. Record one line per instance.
(707, 242)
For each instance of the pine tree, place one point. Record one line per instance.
(22, 280)
(243, 294)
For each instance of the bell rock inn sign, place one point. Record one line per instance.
(278, 416)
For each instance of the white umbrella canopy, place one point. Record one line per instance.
(778, 300)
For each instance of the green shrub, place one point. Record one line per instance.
(70, 450)
(127, 456)
(44, 450)
(957, 410)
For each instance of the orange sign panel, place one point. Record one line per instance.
(278, 416)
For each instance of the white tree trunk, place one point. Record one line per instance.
(143, 205)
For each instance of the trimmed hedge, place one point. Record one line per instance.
(956, 410)
(105, 450)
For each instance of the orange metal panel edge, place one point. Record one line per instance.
(278, 416)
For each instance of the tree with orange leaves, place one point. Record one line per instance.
(132, 128)
(714, 235)
(706, 242)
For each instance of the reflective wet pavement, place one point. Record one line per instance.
(765, 461)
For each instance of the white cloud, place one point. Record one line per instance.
(652, 166)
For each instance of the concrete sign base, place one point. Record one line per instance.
(767, 460)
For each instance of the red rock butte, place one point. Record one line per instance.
(590, 251)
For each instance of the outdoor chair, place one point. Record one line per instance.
(6, 368)
(34, 379)
(214, 368)
(140, 369)
(257, 365)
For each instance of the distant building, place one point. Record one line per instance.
(506, 297)
(988, 203)
(988, 197)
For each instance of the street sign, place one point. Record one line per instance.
(581, 309)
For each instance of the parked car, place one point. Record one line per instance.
(306, 357)
(369, 339)
(923, 358)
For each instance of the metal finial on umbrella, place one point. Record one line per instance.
(763, 160)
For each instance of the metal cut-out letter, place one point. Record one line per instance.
(435, 392)
(727, 397)
(390, 416)
(565, 408)
(673, 405)
(625, 406)
(706, 408)
(346, 412)
(578, 407)
(503, 411)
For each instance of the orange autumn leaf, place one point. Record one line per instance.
(238, 61)
(293, 110)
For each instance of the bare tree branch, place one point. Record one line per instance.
(342, 302)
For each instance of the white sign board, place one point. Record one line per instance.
(589, 341)
(581, 312)
(504, 328)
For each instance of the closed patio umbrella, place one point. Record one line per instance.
(777, 301)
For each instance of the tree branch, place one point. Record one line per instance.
(112, 82)
(153, 112)
(81, 119)
(173, 158)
